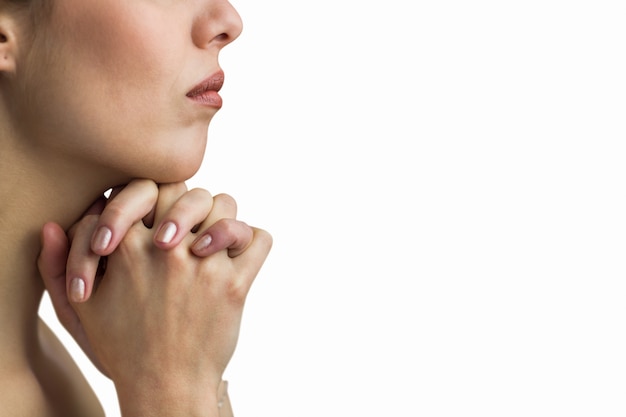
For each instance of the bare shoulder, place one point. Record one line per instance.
(48, 384)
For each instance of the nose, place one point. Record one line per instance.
(216, 25)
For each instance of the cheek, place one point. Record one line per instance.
(126, 53)
(110, 94)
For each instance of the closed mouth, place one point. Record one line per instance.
(212, 83)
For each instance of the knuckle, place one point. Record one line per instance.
(152, 189)
(226, 226)
(113, 212)
(237, 291)
(143, 182)
(176, 188)
(225, 283)
(178, 255)
(88, 222)
(191, 201)
(201, 193)
(225, 200)
(264, 237)
(133, 241)
(146, 185)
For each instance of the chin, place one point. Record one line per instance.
(171, 177)
(174, 170)
(169, 163)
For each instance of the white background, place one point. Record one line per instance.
(445, 183)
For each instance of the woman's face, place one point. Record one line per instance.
(126, 84)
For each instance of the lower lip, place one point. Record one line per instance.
(209, 98)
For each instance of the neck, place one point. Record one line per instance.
(34, 190)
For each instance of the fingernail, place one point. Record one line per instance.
(167, 233)
(202, 243)
(77, 290)
(102, 239)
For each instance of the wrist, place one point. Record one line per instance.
(223, 401)
(165, 397)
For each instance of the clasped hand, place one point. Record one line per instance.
(162, 317)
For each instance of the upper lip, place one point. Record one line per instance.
(212, 83)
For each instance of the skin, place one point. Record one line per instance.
(182, 318)
(96, 99)
(120, 64)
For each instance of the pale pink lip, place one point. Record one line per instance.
(206, 92)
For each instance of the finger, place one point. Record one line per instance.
(224, 207)
(115, 191)
(148, 219)
(230, 234)
(168, 195)
(96, 208)
(51, 263)
(188, 211)
(82, 262)
(129, 206)
(251, 261)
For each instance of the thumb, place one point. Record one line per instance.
(53, 255)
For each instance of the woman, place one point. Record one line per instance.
(96, 93)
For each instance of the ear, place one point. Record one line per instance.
(8, 44)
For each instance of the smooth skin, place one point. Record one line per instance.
(107, 81)
(92, 96)
(176, 314)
